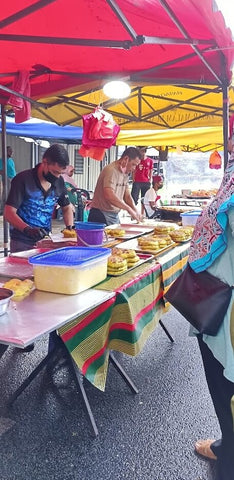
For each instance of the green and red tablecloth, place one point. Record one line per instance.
(124, 322)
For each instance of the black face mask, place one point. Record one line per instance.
(50, 177)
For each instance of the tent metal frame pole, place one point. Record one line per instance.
(225, 123)
(20, 95)
(181, 28)
(4, 176)
(225, 86)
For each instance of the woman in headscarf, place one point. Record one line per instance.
(212, 249)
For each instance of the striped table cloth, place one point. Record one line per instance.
(124, 322)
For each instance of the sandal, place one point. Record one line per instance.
(203, 448)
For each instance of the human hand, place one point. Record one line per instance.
(135, 215)
(138, 217)
(35, 233)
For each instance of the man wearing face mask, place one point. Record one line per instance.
(112, 192)
(32, 197)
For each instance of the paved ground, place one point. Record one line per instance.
(149, 436)
(46, 434)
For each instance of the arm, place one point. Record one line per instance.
(67, 215)
(130, 202)
(151, 175)
(125, 204)
(10, 215)
(152, 205)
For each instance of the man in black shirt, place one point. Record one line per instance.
(32, 197)
(31, 202)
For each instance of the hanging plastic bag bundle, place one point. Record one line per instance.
(99, 133)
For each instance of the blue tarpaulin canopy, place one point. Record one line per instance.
(37, 129)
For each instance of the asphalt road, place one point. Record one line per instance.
(149, 436)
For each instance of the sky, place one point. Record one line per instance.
(227, 10)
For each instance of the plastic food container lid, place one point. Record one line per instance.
(89, 226)
(191, 214)
(70, 256)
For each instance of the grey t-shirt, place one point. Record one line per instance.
(110, 177)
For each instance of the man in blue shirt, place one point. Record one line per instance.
(31, 200)
(32, 197)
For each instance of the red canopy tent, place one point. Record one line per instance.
(148, 41)
(76, 45)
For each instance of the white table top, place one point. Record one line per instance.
(42, 312)
(180, 248)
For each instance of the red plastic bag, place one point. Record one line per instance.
(99, 129)
(101, 125)
(93, 152)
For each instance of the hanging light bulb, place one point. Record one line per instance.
(116, 89)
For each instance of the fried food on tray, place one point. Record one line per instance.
(116, 265)
(117, 251)
(164, 229)
(132, 259)
(163, 240)
(115, 232)
(127, 254)
(12, 284)
(148, 244)
(20, 288)
(69, 233)
(181, 235)
(189, 230)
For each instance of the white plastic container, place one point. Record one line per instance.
(70, 270)
(190, 218)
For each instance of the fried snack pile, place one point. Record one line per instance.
(120, 260)
(128, 254)
(116, 265)
(69, 233)
(182, 234)
(163, 240)
(115, 232)
(149, 244)
(159, 229)
(21, 288)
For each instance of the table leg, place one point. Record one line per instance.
(79, 383)
(166, 331)
(55, 345)
(3, 348)
(30, 378)
(122, 373)
(55, 342)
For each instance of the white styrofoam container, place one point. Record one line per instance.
(190, 218)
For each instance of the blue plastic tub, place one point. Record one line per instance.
(70, 270)
(190, 217)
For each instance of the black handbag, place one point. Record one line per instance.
(201, 298)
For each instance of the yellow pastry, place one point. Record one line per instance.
(21, 288)
(116, 265)
(69, 233)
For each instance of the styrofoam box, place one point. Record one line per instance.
(70, 270)
(190, 218)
